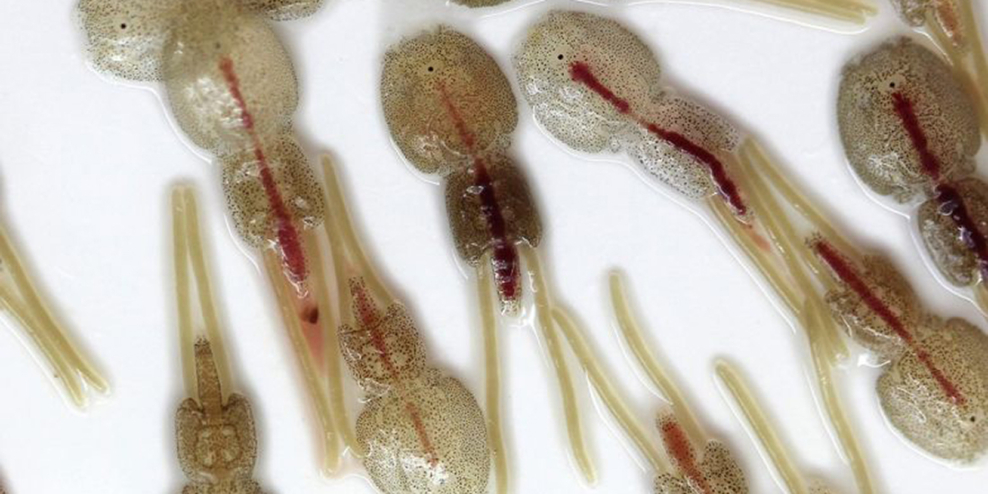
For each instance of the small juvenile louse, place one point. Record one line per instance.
(217, 442)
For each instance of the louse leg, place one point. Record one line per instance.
(656, 372)
(609, 393)
(850, 11)
(188, 250)
(762, 428)
(492, 376)
(543, 310)
(311, 374)
(20, 297)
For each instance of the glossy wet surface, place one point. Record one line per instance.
(217, 443)
(935, 388)
(594, 86)
(451, 112)
(423, 431)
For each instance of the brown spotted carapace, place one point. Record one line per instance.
(423, 431)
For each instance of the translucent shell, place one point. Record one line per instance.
(126, 37)
(229, 79)
(568, 109)
(672, 165)
(284, 10)
(860, 320)
(249, 203)
(466, 209)
(946, 243)
(423, 432)
(429, 438)
(915, 404)
(383, 349)
(719, 470)
(445, 99)
(913, 11)
(943, 12)
(217, 443)
(879, 145)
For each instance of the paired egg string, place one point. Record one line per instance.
(217, 440)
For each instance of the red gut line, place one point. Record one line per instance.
(728, 189)
(288, 237)
(370, 320)
(947, 196)
(504, 257)
(847, 274)
(678, 446)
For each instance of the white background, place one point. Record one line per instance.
(86, 166)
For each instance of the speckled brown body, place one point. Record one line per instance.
(422, 430)
(465, 209)
(878, 144)
(934, 389)
(913, 401)
(451, 112)
(713, 471)
(231, 88)
(949, 249)
(625, 107)
(217, 444)
(480, 3)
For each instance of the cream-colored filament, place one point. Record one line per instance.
(824, 338)
(188, 250)
(796, 289)
(19, 296)
(762, 428)
(654, 369)
(853, 11)
(316, 386)
(492, 376)
(609, 393)
(543, 310)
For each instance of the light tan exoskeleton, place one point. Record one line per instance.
(217, 443)
(451, 113)
(953, 26)
(232, 90)
(27, 305)
(595, 86)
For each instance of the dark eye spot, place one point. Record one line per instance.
(892, 85)
(973, 419)
(560, 56)
(123, 25)
(431, 69)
